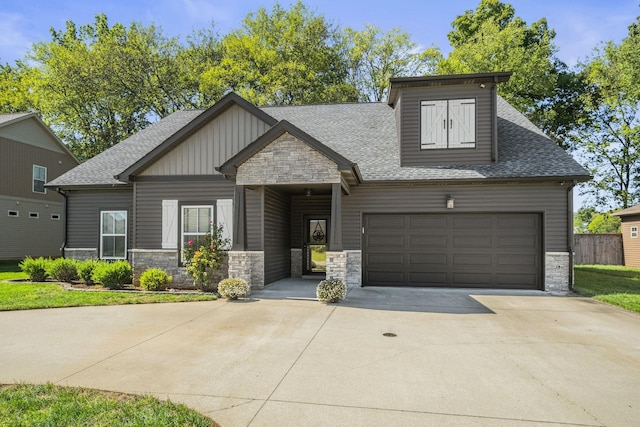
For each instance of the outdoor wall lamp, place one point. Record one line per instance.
(450, 201)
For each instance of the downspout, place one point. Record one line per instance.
(570, 236)
(494, 119)
(64, 226)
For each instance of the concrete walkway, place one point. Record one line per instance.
(453, 358)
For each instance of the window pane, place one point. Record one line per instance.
(38, 186)
(119, 247)
(107, 223)
(188, 237)
(190, 220)
(108, 246)
(39, 173)
(204, 216)
(120, 223)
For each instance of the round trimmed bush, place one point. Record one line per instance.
(85, 270)
(331, 290)
(233, 288)
(63, 270)
(35, 268)
(112, 275)
(154, 279)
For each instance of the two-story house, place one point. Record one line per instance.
(444, 185)
(32, 217)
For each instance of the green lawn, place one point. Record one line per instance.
(612, 284)
(49, 405)
(27, 295)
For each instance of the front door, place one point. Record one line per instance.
(314, 251)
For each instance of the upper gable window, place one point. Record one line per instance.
(39, 179)
(448, 124)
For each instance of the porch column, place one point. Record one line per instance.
(239, 220)
(335, 233)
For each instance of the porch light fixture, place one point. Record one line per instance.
(307, 192)
(450, 202)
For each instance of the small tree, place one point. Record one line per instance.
(202, 257)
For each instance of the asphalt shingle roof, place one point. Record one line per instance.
(366, 134)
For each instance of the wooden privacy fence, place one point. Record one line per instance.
(598, 249)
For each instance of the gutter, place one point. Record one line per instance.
(64, 226)
(570, 236)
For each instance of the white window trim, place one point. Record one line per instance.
(633, 232)
(55, 217)
(33, 179)
(126, 225)
(34, 215)
(182, 209)
(447, 143)
(11, 212)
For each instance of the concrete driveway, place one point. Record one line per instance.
(457, 358)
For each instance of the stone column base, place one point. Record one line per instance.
(345, 266)
(247, 265)
(556, 271)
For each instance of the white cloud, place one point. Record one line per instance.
(13, 39)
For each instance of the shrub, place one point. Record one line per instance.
(63, 269)
(35, 268)
(233, 287)
(112, 274)
(154, 279)
(85, 270)
(331, 290)
(204, 256)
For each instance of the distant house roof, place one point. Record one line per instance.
(364, 134)
(633, 210)
(12, 118)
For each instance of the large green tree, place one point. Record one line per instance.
(492, 38)
(98, 84)
(374, 57)
(609, 134)
(280, 57)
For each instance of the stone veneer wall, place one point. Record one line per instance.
(287, 160)
(167, 260)
(557, 267)
(345, 266)
(81, 253)
(247, 265)
(296, 263)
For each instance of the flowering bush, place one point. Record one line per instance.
(331, 290)
(233, 287)
(154, 279)
(204, 256)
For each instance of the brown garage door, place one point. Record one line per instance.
(453, 250)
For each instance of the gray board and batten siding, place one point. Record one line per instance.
(211, 145)
(411, 153)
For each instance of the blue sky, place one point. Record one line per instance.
(580, 24)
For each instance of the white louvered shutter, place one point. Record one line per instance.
(433, 124)
(169, 224)
(224, 215)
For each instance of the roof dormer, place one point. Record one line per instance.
(446, 120)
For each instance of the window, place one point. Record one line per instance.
(13, 213)
(39, 179)
(113, 234)
(34, 215)
(448, 124)
(634, 232)
(55, 217)
(196, 222)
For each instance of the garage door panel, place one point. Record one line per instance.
(453, 249)
(386, 240)
(434, 259)
(428, 279)
(388, 259)
(427, 241)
